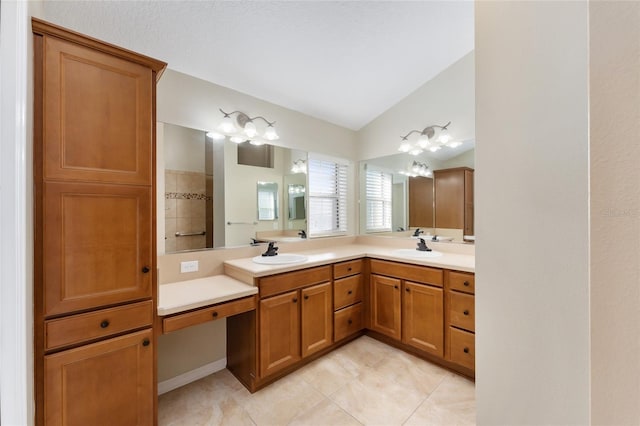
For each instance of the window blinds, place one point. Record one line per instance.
(327, 197)
(378, 186)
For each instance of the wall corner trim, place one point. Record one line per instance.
(191, 376)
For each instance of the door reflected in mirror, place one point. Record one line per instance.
(297, 209)
(267, 200)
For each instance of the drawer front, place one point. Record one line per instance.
(462, 281)
(211, 313)
(461, 311)
(93, 325)
(420, 274)
(347, 291)
(291, 280)
(462, 348)
(345, 269)
(347, 321)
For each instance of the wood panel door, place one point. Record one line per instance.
(316, 318)
(98, 115)
(421, 202)
(449, 193)
(423, 322)
(105, 383)
(97, 245)
(279, 332)
(385, 306)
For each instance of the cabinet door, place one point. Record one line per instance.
(97, 245)
(317, 318)
(423, 325)
(449, 189)
(98, 116)
(105, 383)
(385, 305)
(421, 202)
(279, 332)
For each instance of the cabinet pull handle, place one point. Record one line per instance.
(295, 300)
(349, 321)
(466, 312)
(145, 269)
(350, 291)
(145, 342)
(466, 283)
(466, 350)
(306, 297)
(214, 314)
(104, 324)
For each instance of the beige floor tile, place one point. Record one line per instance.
(323, 414)
(360, 354)
(280, 402)
(411, 371)
(451, 403)
(374, 399)
(327, 374)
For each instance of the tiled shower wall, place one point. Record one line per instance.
(185, 210)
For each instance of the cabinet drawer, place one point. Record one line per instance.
(420, 274)
(347, 321)
(105, 322)
(207, 314)
(462, 348)
(347, 291)
(345, 269)
(291, 280)
(462, 281)
(461, 311)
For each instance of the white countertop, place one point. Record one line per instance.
(185, 295)
(244, 269)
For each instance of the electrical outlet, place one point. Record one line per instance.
(191, 266)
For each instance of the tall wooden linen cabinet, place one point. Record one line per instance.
(95, 249)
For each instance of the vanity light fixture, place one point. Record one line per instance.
(428, 140)
(299, 166)
(243, 129)
(417, 169)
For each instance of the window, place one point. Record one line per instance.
(378, 188)
(327, 197)
(267, 201)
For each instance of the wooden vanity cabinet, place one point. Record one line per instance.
(348, 298)
(279, 332)
(454, 199)
(460, 318)
(386, 306)
(94, 239)
(423, 319)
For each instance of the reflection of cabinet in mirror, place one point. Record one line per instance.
(420, 202)
(454, 199)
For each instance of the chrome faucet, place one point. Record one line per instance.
(272, 250)
(422, 245)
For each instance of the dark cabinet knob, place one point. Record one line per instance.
(466, 283)
(306, 297)
(349, 269)
(395, 286)
(104, 324)
(466, 350)
(146, 342)
(466, 312)
(349, 321)
(295, 300)
(407, 289)
(214, 314)
(145, 269)
(350, 292)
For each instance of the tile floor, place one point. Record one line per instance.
(362, 383)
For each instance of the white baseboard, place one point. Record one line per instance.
(191, 376)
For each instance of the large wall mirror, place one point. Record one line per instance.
(397, 192)
(221, 194)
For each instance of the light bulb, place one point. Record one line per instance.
(227, 126)
(444, 136)
(250, 129)
(434, 148)
(270, 134)
(423, 141)
(256, 142)
(215, 136)
(415, 151)
(454, 144)
(404, 146)
(237, 139)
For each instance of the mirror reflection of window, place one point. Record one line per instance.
(297, 208)
(267, 201)
(379, 200)
(327, 197)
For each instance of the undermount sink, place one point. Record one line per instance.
(289, 239)
(413, 253)
(280, 259)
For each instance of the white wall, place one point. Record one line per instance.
(184, 149)
(190, 102)
(614, 106)
(449, 96)
(532, 270)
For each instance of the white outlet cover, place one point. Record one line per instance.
(190, 266)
